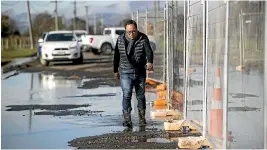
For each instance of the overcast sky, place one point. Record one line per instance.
(65, 7)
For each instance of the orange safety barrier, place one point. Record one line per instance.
(157, 107)
(216, 112)
(151, 82)
(161, 87)
(160, 102)
(162, 94)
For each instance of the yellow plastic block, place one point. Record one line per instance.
(166, 118)
(164, 112)
(193, 142)
(175, 125)
(157, 107)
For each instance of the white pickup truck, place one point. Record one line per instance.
(106, 43)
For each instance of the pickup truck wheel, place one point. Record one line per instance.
(95, 51)
(44, 62)
(79, 60)
(106, 49)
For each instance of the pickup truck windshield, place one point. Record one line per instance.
(60, 37)
(119, 32)
(107, 32)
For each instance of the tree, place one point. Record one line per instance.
(44, 22)
(8, 26)
(80, 24)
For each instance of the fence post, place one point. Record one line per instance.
(225, 81)
(186, 62)
(132, 16)
(137, 17)
(20, 43)
(265, 81)
(164, 46)
(205, 66)
(2, 44)
(173, 45)
(146, 22)
(6, 43)
(167, 56)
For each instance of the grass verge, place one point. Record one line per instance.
(8, 55)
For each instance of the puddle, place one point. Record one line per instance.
(19, 61)
(242, 95)
(236, 109)
(243, 109)
(47, 110)
(69, 112)
(16, 64)
(98, 82)
(44, 107)
(94, 95)
(104, 95)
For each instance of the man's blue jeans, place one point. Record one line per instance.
(128, 81)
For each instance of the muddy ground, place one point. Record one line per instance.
(130, 140)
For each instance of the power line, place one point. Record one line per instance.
(33, 8)
(41, 5)
(13, 4)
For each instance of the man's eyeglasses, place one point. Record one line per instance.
(131, 32)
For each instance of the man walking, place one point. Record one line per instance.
(133, 55)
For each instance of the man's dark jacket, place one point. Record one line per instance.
(134, 60)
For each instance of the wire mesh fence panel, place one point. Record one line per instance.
(215, 47)
(234, 34)
(194, 60)
(141, 22)
(246, 77)
(155, 31)
(177, 52)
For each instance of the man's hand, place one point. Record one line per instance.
(117, 75)
(149, 66)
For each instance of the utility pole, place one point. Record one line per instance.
(75, 15)
(95, 23)
(30, 23)
(56, 17)
(86, 20)
(56, 14)
(102, 22)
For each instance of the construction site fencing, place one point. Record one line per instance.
(151, 22)
(212, 52)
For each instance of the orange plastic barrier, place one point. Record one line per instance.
(160, 102)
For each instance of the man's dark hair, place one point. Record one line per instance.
(130, 22)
